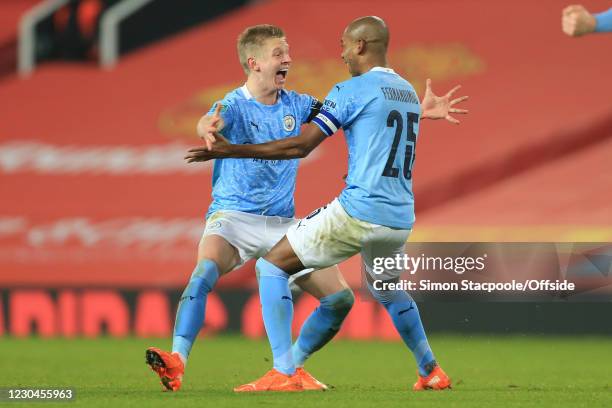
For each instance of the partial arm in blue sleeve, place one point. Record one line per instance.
(604, 21)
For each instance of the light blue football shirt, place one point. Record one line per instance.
(257, 186)
(379, 112)
(603, 21)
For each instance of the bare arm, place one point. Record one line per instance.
(283, 149)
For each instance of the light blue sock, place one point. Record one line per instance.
(192, 306)
(407, 321)
(277, 312)
(322, 325)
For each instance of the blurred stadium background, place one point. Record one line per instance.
(100, 216)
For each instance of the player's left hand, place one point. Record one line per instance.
(218, 149)
(440, 107)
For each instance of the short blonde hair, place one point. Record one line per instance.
(252, 38)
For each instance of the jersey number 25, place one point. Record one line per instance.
(395, 120)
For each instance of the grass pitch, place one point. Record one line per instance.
(486, 372)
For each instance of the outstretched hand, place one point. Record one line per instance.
(440, 107)
(217, 148)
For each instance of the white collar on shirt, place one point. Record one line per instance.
(247, 94)
(383, 69)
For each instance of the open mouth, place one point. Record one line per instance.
(282, 73)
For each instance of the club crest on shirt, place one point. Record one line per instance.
(289, 123)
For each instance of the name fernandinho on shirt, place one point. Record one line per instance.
(400, 95)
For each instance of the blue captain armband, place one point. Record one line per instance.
(327, 122)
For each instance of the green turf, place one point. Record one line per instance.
(487, 372)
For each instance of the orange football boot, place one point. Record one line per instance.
(309, 383)
(273, 380)
(436, 380)
(168, 367)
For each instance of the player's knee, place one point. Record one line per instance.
(264, 267)
(203, 279)
(340, 302)
(388, 296)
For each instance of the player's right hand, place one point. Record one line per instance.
(221, 148)
(577, 21)
(209, 126)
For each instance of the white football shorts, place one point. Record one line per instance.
(252, 235)
(329, 235)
